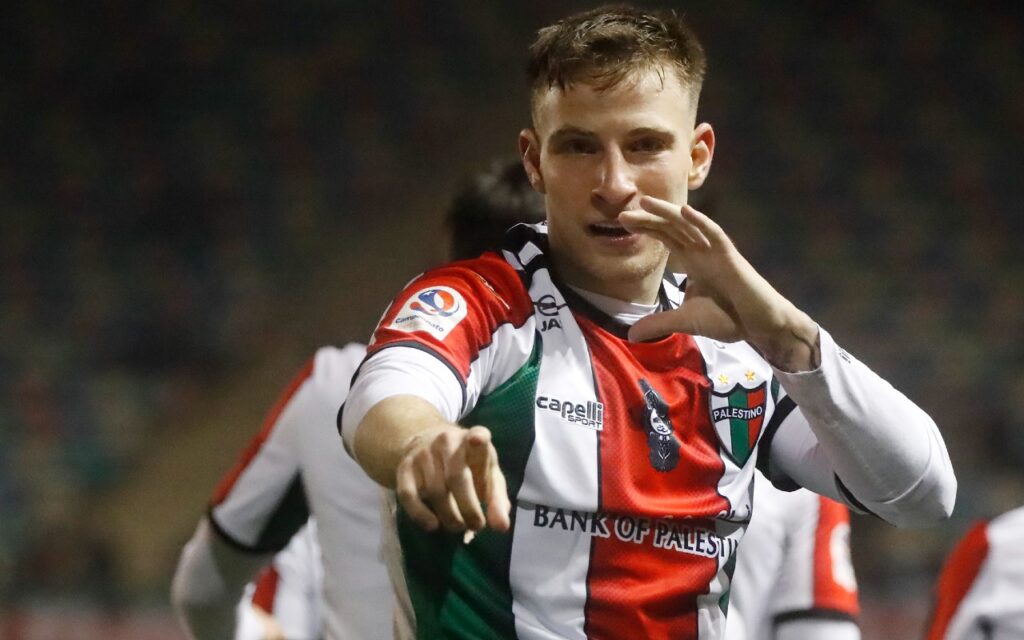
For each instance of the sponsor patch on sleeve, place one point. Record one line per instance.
(436, 310)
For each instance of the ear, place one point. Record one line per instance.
(529, 149)
(702, 149)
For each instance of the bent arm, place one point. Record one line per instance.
(856, 438)
(208, 583)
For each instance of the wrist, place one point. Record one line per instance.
(795, 346)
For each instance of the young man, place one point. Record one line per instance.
(794, 578)
(980, 594)
(296, 465)
(617, 444)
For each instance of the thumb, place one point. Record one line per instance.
(696, 316)
(660, 324)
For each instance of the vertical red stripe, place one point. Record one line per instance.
(266, 589)
(757, 399)
(224, 488)
(828, 592)
(958, 575)
(637, 590)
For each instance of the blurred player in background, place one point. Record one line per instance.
(980, 592)
(285, 602)
(296, 465)
(794, 579)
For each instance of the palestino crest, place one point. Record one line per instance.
(738, 416)
(436, 310)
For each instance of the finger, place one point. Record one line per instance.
(439, 494)
(408, 483)
(499, 506)
(479, 458)
(447, 511)
(683, 217)
(668, 231)
(708, 227)
(462, 483)
(491, 485)
(700, 316)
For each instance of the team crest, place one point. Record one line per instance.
(661, 439)
(738, 415)
(435, 310)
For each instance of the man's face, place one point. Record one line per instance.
(593, 155)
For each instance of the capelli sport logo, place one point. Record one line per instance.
(436, 311)
(589, 414)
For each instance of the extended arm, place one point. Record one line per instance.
(442, 473)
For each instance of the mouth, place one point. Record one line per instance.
(609, 230)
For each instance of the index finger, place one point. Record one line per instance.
(465, 476)
(482, 457)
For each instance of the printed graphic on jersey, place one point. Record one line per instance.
(738, 415)
(436, 310)
(660, 533)
(589, 415)
(664, 447)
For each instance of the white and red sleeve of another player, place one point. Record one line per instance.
(260, 504)
(816, 580)
(794, 578)
(289, 589)
(980, 593)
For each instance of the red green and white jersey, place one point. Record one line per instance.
(629, 465)
(980, 593)
(794, 568)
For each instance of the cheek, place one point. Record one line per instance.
(668, 178)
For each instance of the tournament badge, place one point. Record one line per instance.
(436, 310)
(663, 444)
(738, 415)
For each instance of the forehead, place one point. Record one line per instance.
(644, 99)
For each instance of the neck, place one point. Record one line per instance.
(639, 289)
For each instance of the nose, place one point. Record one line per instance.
(616, 186)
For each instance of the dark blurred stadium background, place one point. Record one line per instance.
(193, 196)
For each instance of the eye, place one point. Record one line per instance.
(648, 144)
(577, 146)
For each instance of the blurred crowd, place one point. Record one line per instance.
(175, 171)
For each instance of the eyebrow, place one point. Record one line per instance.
(647, 131)
(571, 132)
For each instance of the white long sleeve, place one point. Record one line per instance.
(884, 449)
(208, 583)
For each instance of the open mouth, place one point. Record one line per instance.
(609, 230)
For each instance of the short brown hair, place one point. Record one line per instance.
(604, 46)
(488, 204)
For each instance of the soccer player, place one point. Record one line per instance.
(296, 465)
(980, 593)
(794, 579)
(571, 434)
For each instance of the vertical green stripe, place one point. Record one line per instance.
(463, 591)
(739, 428)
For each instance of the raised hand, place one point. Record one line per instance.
(726, 298)
(449, 477)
